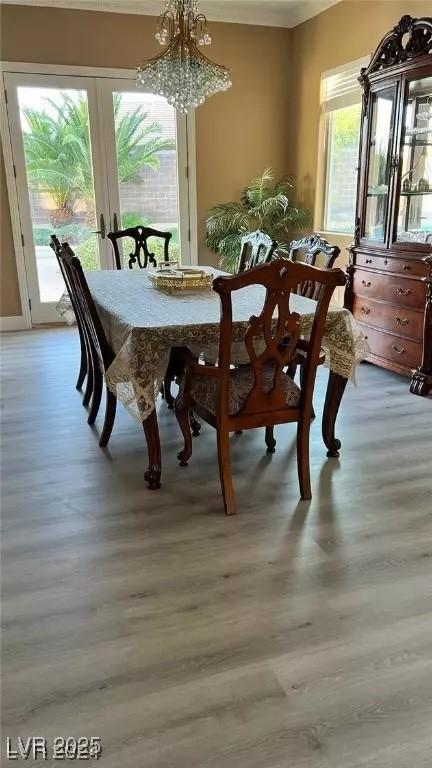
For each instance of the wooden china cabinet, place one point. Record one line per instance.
(389, 287)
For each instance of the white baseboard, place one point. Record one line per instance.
(13, 323)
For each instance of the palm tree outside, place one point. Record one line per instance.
(59, 163)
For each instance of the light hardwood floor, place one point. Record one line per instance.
(295, 635)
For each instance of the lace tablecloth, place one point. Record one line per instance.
(142, 324)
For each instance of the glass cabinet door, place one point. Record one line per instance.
(382, 117)
(414, 194)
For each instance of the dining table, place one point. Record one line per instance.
(143, 324)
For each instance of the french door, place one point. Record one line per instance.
(92, 155)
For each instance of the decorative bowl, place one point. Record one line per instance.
(181, 279)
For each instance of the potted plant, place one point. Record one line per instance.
(264, 205)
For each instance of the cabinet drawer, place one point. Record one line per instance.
(415, 268)
(408, 293)
(399, 320)
(401, 351)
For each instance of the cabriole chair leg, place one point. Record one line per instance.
(182, 415)
(269, 439)
(89, 386)
(97, 396)
(195, 425)
(303, 461)
(225, 472)
(83, 364)
(110, 412)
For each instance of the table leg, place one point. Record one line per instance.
(151, 430)
(335, 389)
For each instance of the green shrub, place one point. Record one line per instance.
(88, 253)
(72, 233)
(133, 220)
(42, 235)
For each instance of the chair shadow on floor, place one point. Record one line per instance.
(257, 472)
(326, 512)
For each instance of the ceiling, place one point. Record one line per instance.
(277, 13)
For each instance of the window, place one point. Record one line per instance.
(341, 112)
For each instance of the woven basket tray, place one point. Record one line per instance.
(182, 279)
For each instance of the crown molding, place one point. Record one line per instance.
(272, 13)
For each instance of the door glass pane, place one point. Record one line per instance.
(414, 221)
(146, 147)
(379, 164)
(57, 153)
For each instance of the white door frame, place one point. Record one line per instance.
(105, 89)
(45, 312)
(187, 187)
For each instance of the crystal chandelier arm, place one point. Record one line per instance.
(165, 27)
(201, 20)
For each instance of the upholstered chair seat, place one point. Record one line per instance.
(241, 382)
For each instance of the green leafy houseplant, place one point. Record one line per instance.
(264, 205)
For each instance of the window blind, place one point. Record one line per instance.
(340, 87)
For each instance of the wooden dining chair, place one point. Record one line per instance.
(140, 236)
(85, 368)
(259, 394)
(256, 248)
(101, 354)
(312, 249)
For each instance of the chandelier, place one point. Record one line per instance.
(181, 73)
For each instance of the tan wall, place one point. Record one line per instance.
(269, 117)
(238, 133)
(345, 32)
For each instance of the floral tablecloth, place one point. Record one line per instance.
(142, 325)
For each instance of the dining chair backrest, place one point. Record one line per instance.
(57, 247)
(308, 250)
(256, 248)
(84, 343)
(141, 256)
(87, 307)
(271, 338)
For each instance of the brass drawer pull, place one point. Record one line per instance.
(366, 284)
(368, 261)
(402, 320)
(398, 350)
(406, 267)
(404, 291)
(365, 310)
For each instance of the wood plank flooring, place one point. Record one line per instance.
(295, 635)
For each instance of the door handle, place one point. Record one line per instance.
(102, 230)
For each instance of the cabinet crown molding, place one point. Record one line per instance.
(409, 39)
